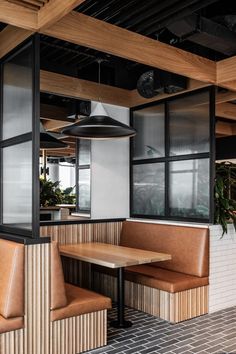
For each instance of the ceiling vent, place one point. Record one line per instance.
(153, 82)
(205, 32)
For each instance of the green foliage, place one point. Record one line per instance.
(51, 194)
(225, 192)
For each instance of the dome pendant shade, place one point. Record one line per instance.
(99, 126)
(47, 141)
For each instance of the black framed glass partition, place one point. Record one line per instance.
(83, 176)
(172, 158)
(19, 144)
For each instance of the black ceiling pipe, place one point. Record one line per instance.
(226, 148)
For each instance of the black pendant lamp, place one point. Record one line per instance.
(47, 141)
(99, 125)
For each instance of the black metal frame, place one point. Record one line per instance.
(11, 232)
(167, 158)
(81, 167)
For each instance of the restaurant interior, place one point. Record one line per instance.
(118, 176)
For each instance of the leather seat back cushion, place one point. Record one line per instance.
(11, 279)
(188, 246)
(11, 324)
(58, 291)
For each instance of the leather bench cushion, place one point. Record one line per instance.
(11, 324)
(163, 279)
(58, 291)
(188, 246)
(11, 279)
(80, 301)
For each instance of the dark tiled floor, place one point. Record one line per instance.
(215, 333)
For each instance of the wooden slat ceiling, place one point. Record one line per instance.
(30, 4)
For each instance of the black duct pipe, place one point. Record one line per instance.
(189, 10)
(205, 32)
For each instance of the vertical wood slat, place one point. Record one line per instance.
(76, 272)
(12, 342)
(172, 307)
(78, 334)
(37, 299)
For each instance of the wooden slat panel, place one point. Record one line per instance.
(79, 334)
(79, 273)
(12, 342)
(108, 38)
(37, 299)
(172, 307)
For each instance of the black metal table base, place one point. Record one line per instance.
(121, 322)
(117, 324)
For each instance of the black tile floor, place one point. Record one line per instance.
(215, 333)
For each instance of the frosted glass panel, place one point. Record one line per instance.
(189, 188)
(189, 124)
(84, 152)
(149, 189)
(17, 95)
(149, 141)
(84, 189)
(17, 185)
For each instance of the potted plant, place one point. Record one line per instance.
(225, 193)
(50, 193)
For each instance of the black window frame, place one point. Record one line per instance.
(78, 168)
(168, 158)
(12, 232)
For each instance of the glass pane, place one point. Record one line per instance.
(189, 124)
(148, 189)
(17, 185)
(149, 141)
(17, 95)
(84, 152)
(84, 189)
(189, 188)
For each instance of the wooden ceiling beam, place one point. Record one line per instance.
(48, 111)
(82, 89)
(54, 125)
(226, 110)
(18, 16)
(223, 129)
(83, 30)
(11, 37)
(54, 10)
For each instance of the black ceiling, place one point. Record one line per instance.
(150, 18)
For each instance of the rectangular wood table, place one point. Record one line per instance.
(113, 256)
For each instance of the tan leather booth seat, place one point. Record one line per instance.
(163, 279)
(68, 300)
(11, 285)
(188, 246)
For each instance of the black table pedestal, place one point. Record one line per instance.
(121, 322)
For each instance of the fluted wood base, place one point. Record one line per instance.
(78, 334)
(172, 307)
(12, 342)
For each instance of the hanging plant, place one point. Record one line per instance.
(225, 193)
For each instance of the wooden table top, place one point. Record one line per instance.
(111, 256)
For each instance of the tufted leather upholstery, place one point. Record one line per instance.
(188, 246)
(68, 300)
(11, 279)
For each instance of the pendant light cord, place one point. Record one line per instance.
(99, 61)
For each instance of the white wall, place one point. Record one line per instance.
(110, 172)
(222, 289)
